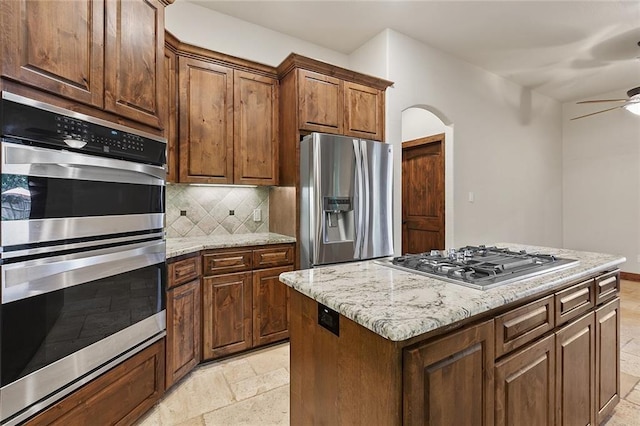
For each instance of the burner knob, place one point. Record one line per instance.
(434, 253)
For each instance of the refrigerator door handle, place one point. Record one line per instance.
(359, 200)
(366, 214)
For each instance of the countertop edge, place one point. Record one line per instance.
(183, 246)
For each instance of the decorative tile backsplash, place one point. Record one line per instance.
(207, 210)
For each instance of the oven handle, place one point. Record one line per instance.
(30, 278)
(35, 161)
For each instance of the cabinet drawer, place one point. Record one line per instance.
(574, 301)
(183, 271)
(607, 286)
(523, 325)
(225, 262)
(272, 256)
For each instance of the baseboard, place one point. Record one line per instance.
(629, 276)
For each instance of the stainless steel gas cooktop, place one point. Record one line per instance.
(479, 267)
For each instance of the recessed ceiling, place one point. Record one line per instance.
(567, 50)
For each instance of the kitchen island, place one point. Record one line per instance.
(375, 345)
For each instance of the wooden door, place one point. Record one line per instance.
(607, 359)
(183, 331)
(449, 381)
(525, 386)
(423, 194)
(575, 373)
(56, 46)
(363, 111)
(255, 129)
(134, 64)
(226, 314)
(205, 109)
(171, 115)
(270, 306)
(320, 102)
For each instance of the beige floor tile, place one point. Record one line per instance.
(267, 409)
(152, 418)
(625, 414)
(627, 382)
(632, 346)
(634, 396)
(260, 384)
(237, 370)
(271, 359)
(630, 364)
(204, 390)
(195, 421)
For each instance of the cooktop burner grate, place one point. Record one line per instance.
(479, 267)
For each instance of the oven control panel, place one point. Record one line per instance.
(47, 125)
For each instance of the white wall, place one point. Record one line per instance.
(507, 143)
(206, 28)
(601, 180)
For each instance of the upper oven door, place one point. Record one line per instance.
(49, 196)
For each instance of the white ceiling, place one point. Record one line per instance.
(568, 50)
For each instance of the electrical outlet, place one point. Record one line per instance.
(639, 258)
(183, 212)
(257, 215)
(232, 213)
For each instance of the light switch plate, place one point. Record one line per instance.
(257, 215)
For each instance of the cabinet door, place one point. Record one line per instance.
(320, 102)
(363, 111)
(575, 378)
(525, 386)
(255, 129)
(226, 315)
(607, 358)
(183, 331)
(205, 109)
(134, 64)
(171, 115)
(270, 306)
(449, 381)
(118, 397)
(56, 46)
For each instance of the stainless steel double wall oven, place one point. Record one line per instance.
(83, 252)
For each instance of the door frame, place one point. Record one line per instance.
(414, 143)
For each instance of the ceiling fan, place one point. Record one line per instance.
(631, 104)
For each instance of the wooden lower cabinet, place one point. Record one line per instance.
(575, 372)
(270, 306)
(118, 397)
(525, 386)
(449, 381)
(226, 315)
(183, 330)
(607, 359)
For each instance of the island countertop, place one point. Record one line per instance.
(399, 305)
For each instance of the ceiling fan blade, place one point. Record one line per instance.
(594, 113)
(602, 100)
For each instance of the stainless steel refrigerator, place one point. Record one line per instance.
(346, 199)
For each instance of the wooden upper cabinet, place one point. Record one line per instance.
(56, 46)
(206, 121)
(171, 117)
(363, 111)
(255, 127)
(320, 102)
(134, 64)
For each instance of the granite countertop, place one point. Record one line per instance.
(180, 246)
(399, 305)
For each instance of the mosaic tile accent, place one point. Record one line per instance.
(207, 210)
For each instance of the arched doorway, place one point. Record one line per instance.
(426, 181)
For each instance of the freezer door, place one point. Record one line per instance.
(377, 237)
(332, 200)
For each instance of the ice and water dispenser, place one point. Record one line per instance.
(339, 222)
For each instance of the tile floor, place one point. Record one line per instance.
(253, 389)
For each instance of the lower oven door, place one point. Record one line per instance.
(67, 318)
